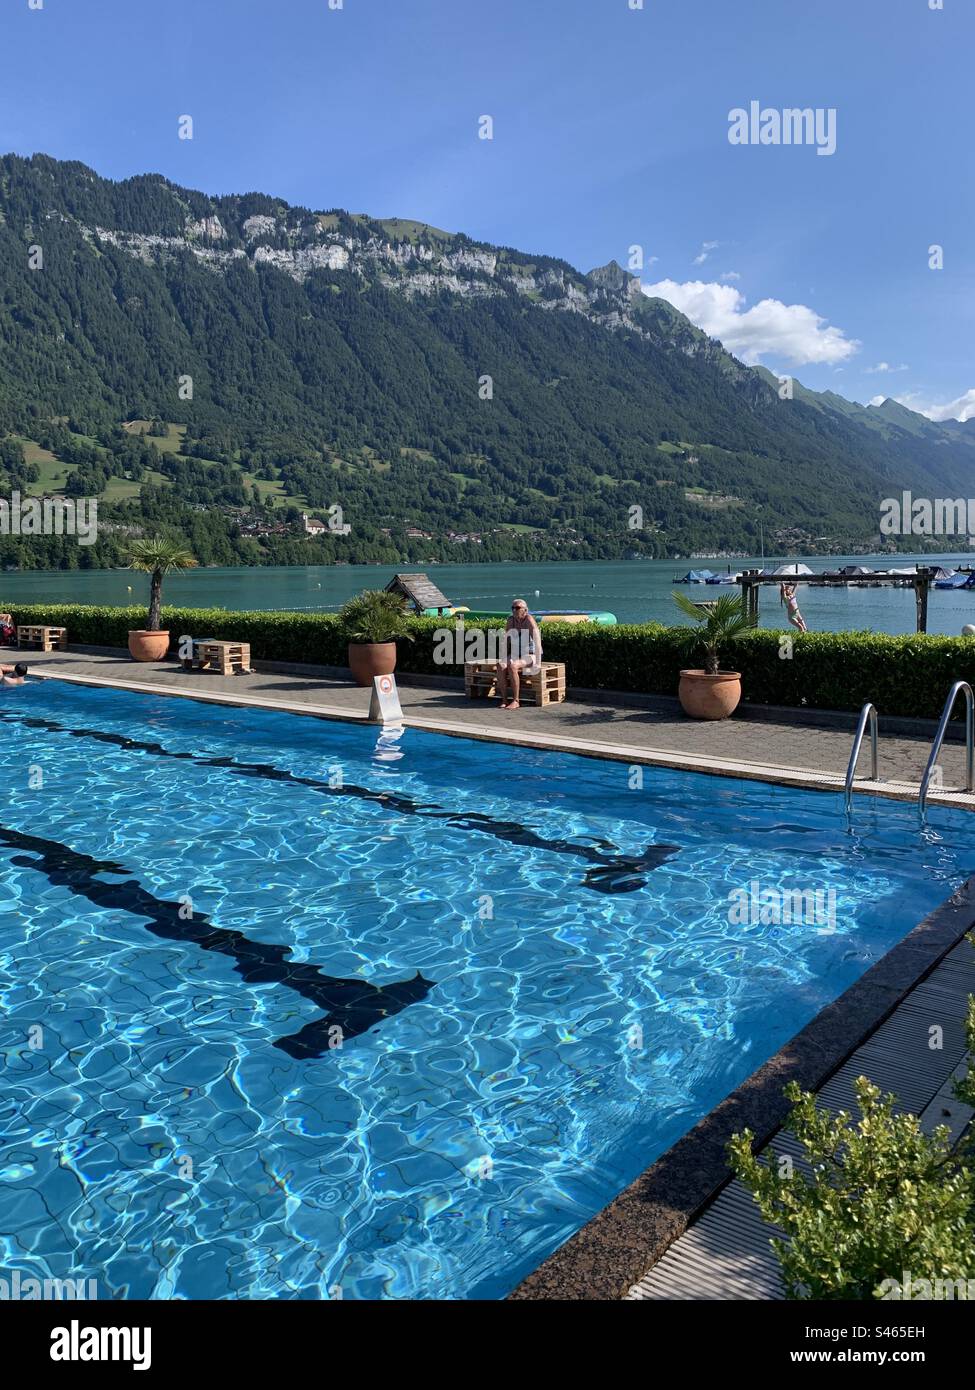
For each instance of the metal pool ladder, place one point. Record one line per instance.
(868, 712)
(939, 739)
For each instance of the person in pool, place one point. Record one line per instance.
(522, 652)
(13, 675)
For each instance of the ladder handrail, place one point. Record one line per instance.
(939, 739)
(869, 711)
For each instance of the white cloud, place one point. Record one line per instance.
(731, 275)
(793, 331)
(886, 367)
(706, 248)
(961, 408)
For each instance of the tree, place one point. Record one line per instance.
(158, 557)
(723, 621)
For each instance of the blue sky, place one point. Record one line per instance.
(610, 130)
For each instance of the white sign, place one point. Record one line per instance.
(384, 707)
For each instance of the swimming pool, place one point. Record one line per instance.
(293, 1009)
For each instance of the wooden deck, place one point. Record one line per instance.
(725, 1253)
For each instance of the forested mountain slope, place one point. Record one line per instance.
(415, 378)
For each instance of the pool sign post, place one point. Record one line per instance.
(384, 707)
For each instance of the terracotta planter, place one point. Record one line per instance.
(709, 697)
(148, 646)
(368, 659)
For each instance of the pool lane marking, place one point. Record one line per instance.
(775, 774)
(351, 1007)
(609, 872)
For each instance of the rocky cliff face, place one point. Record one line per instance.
(154, 220)
(420, 262)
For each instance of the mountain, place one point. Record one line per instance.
(218, 364)
(893, 420)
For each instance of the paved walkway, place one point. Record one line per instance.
(796, 753)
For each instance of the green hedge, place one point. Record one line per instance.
(827, 670)
(273, 636)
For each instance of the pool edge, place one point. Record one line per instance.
(800, 778)
(635, 1229)
(622, 1242)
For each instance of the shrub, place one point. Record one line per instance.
(375, 616)
(297, 637)
(826, 670)
(882, 1198)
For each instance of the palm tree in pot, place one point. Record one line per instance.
(372, 622)
(156, 557)
(711, 693)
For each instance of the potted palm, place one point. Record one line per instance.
(711, 693)
(156, 557)
(371, 622)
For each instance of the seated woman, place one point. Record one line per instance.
(523, 653)
(13, 675)
(7, 630)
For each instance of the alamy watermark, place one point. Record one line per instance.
(792, 125)
(78, 1343)
(18, 1287)
(50, 516)
(908, 1288)
(908, 515)
(757, 906)
(454, 646)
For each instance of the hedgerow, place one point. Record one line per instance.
(907, 676)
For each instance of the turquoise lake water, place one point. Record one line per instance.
(636, 591)
(288, 1010)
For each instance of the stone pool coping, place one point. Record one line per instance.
(805, 716)
(541, 741)
(616, 1248)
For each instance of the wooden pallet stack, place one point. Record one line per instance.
(545, 687)
(48, 639)
(225, 658)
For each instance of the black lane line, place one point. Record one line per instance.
(354, 1006)
(611, 872)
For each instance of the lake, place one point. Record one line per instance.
(635, 590)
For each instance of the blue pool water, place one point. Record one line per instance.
(528, 962)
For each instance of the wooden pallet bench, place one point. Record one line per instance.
(545, 687)
(226, 658)
(48, 639)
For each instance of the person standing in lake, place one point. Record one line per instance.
(522, 653)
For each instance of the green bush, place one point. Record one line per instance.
(297, 637)
(881, 1198)
(826, 670)
(375, 615)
